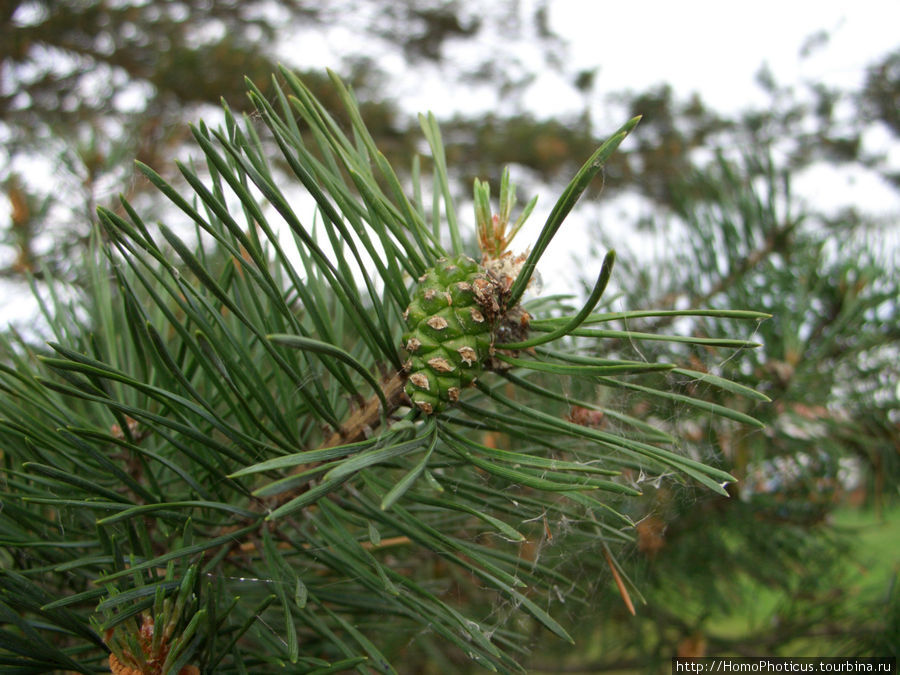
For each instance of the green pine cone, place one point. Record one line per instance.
(450, 320)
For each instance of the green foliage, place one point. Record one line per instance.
(217, 439)
(214, 391)
(717, 573)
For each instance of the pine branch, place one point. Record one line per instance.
(235, 373)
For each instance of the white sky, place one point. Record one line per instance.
(711, 47)
(716, 47)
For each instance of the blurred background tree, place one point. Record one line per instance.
(782, 566)
(87, 87)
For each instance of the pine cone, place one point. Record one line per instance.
(450, 320)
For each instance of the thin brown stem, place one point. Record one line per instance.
(363, 421)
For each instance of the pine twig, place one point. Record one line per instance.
(364, 420)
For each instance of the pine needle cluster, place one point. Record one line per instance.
(214, 465)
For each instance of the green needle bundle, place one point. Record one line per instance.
(254, 444)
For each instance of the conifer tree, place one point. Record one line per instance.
(265, 440)
(774, 569)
